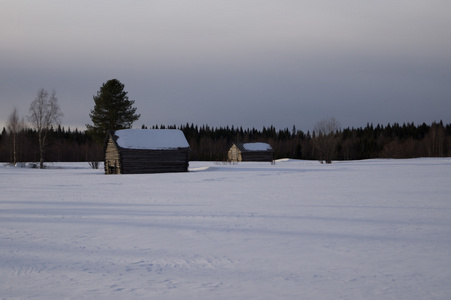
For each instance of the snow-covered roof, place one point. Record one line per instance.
(151, 139)
(256, 146)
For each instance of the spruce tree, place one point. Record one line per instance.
(112, 110)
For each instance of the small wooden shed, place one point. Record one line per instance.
(139, 151)
(250, 152)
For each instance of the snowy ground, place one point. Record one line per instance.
(375, 229)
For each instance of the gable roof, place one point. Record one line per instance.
(251, 147)
(150, 139)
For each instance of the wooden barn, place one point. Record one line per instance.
(250, 152)
(139, 151)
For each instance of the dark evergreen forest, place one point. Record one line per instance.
(208, 143)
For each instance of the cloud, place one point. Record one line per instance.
(248, 63)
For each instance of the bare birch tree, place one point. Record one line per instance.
(44, 113)
(325, 141)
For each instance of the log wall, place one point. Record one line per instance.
(257, 156)
(112, 158)
(154, 161)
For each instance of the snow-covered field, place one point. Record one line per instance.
(374, 229)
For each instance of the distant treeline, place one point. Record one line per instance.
(64, 145)
(209, 143)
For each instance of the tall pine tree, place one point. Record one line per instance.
(112, 110)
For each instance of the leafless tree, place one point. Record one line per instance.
(325, 141)
(15, 127)
(44, 113)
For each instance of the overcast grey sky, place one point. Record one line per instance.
(249, 63)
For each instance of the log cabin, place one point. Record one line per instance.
(250, 152)
(140, 151)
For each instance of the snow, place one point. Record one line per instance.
(257, 146)
(151, 139)
(373, 229)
